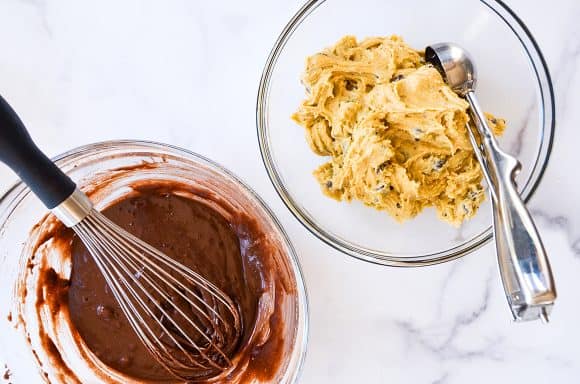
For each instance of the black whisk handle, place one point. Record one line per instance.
(35, 169)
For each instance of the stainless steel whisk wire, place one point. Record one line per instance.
(119, 260)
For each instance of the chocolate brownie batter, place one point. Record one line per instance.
(201, 230)
(186, 230)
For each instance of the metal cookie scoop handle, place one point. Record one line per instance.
(524, 266)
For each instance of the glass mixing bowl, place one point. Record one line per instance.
(20, 210)
(513, 83)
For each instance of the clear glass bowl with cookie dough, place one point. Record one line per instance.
(513, 83)
(43, 289)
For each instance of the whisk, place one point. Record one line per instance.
(187, 323)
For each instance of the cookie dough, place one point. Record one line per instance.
(394, 132)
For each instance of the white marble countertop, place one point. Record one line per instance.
(78, 74)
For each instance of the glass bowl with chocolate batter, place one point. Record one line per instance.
(63, 324)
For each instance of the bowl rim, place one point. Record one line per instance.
(548, 118)
(18, 191)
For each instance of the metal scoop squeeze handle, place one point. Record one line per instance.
(525, 270)
(524, 267)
